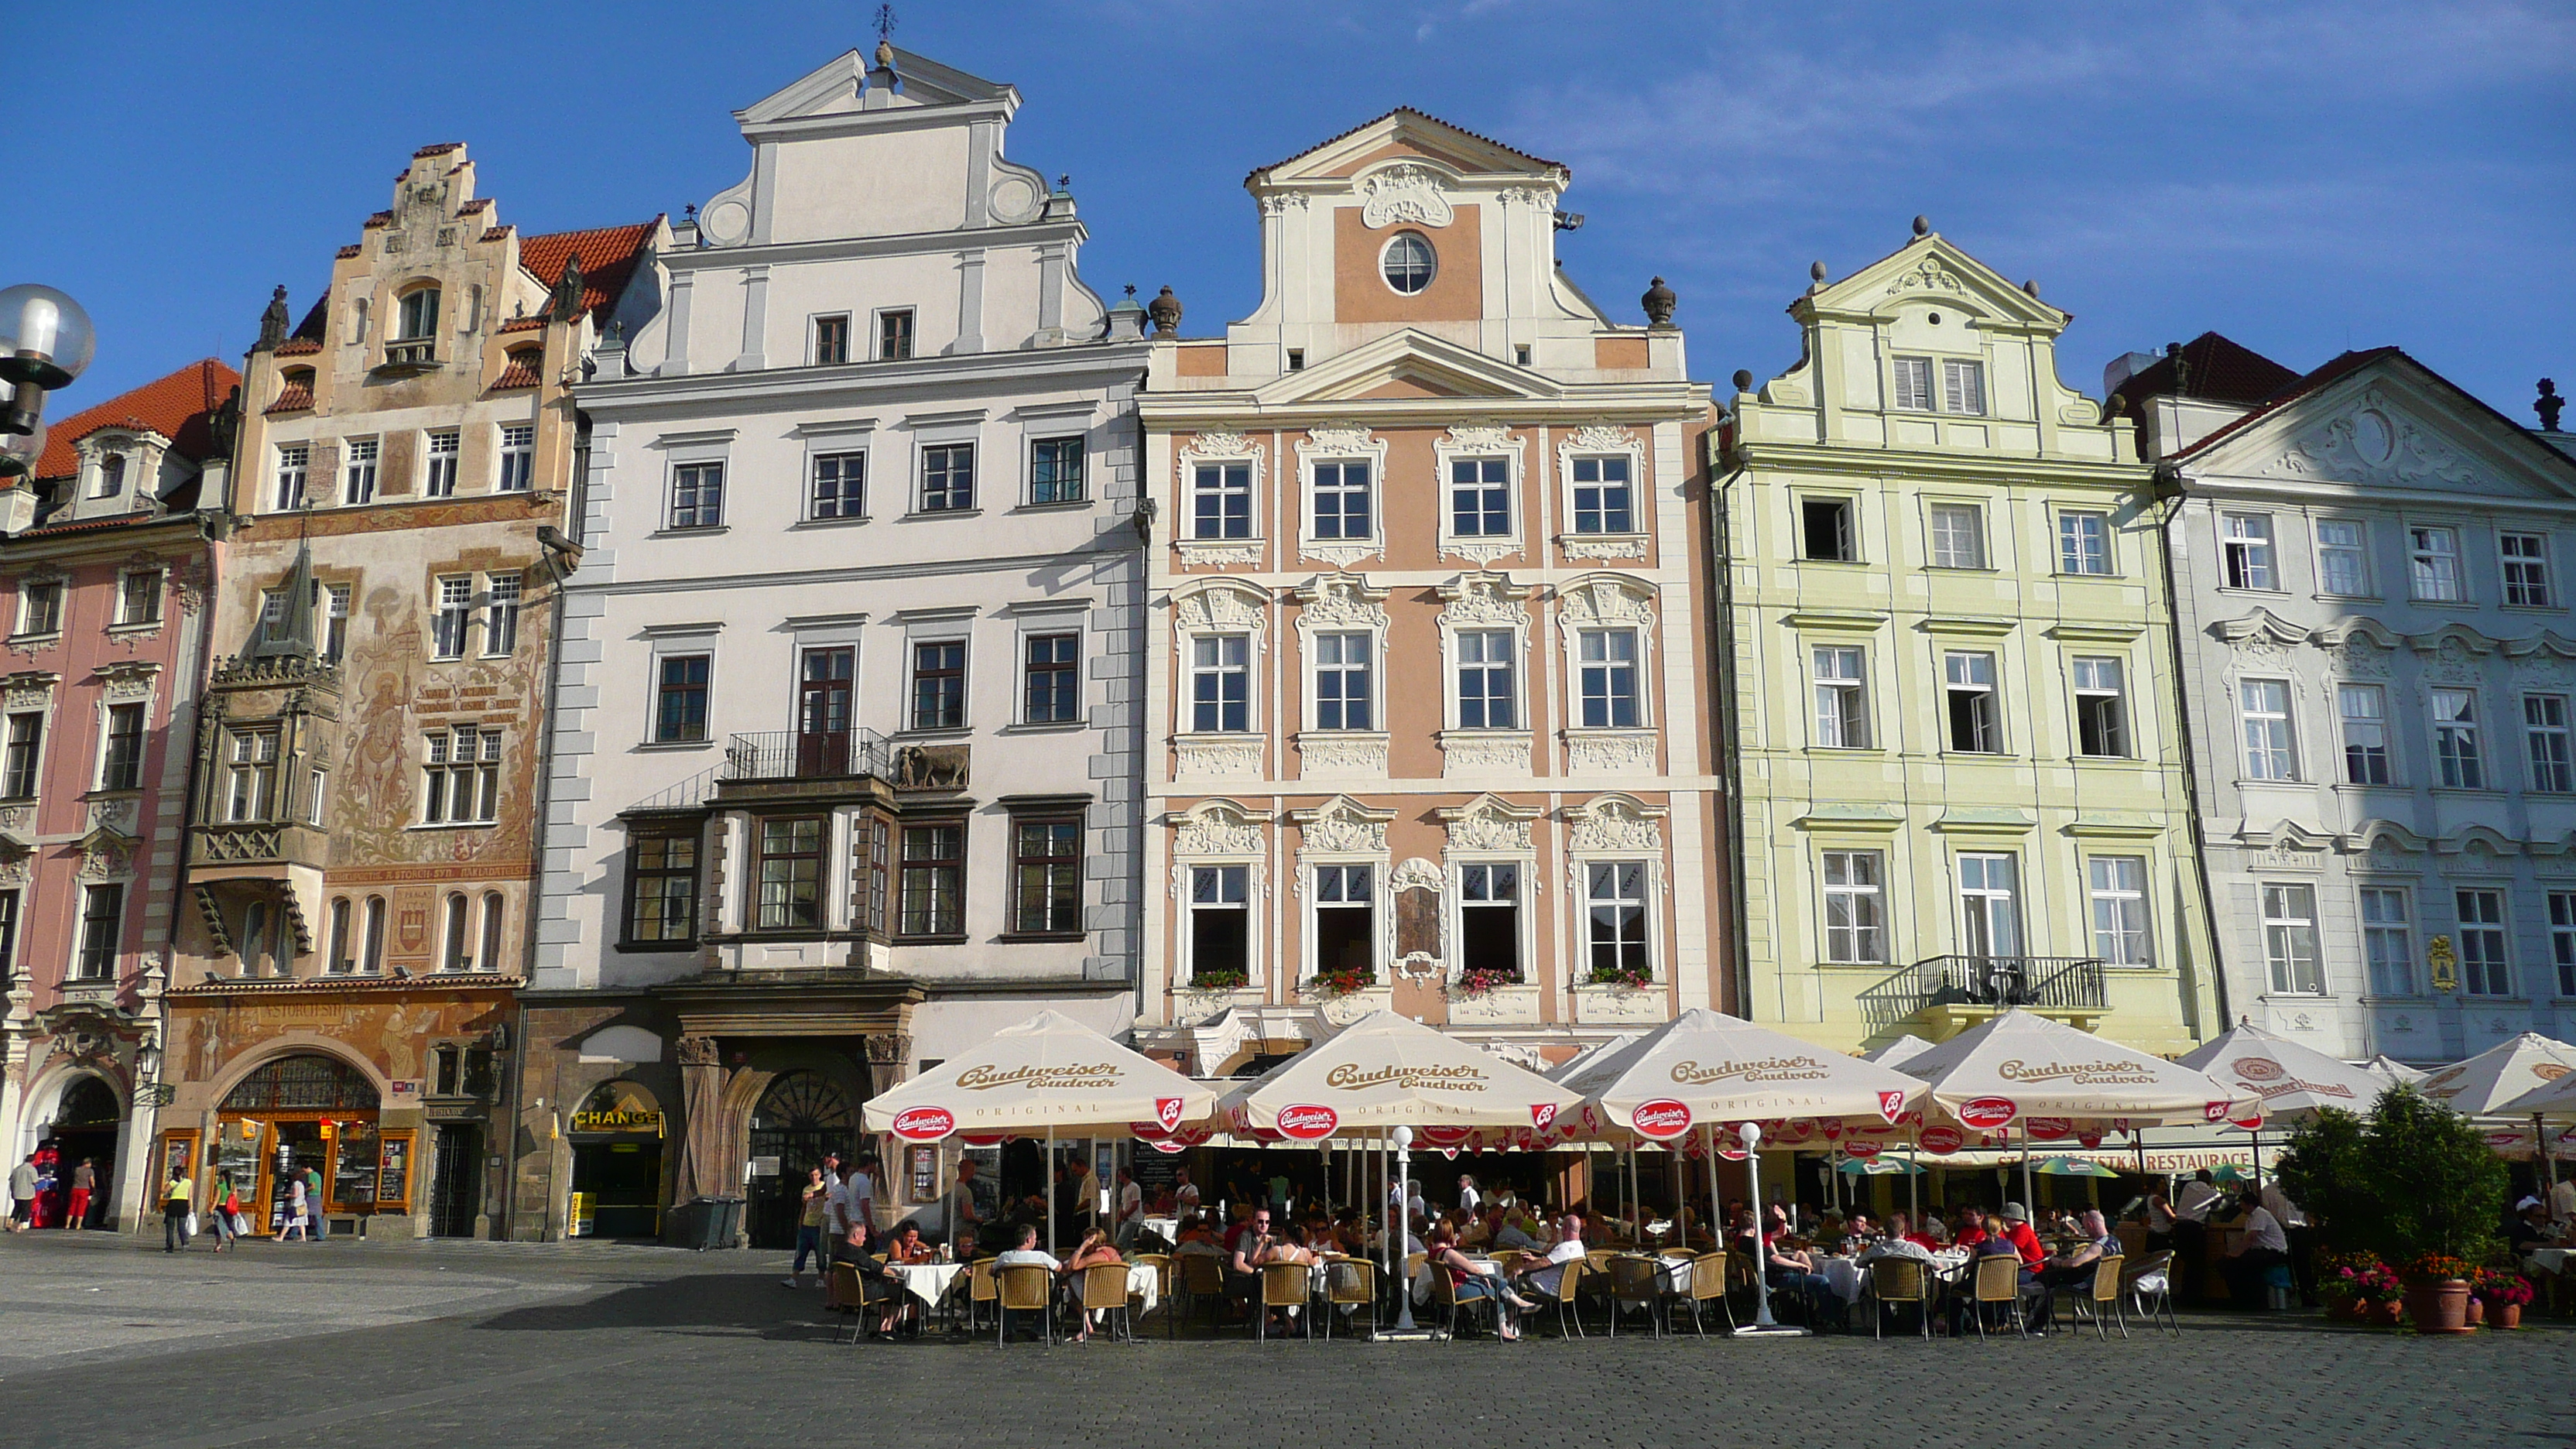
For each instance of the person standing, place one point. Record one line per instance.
(861, 1192)
(178, 1200)
(22, 1195)
(1130, 1218)
(313, 1205)
(809, 1227)
(294, 1226)
(961, 1213)
(1468, 1199)
(84, 1186)
(2259, 1246)
(227, 1211)
(2191, 1236)
(2301, 1240)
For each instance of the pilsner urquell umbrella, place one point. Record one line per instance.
(2482, 1085)
(2026, 1071)
(1048, 1074)
(2292, 1081)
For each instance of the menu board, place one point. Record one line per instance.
(393, 1172)
(178, 1157)
(353, 1174)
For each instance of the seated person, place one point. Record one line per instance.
(1470, 1280)
(1898, 1243)
(2024, 1241)
(2260, 1244)
(1546, 1276)
(1095, 1250)
(1992, 1242)
(1027, 1253)
(1243, 1266)
(2074, 1265)
(1513, 1231)
(1289, 1247)
(1793, 1269)
(905, 1247)
(1968, 1231)
(2529, 1228)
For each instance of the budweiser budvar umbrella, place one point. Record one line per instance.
(1386, 1071)
(1704, 1066)
(1898, 1052)
(2292, 1081)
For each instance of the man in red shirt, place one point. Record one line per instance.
(2024, 1241)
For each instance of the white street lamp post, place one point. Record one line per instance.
(1400, 1228)
(1763, 1324)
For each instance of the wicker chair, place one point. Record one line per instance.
(1284, 1285)
(1573, 1279)
(1164, 1273)
(1707, 1285)
(1104, 1290)
(849, 1299)
(981, 1292)
(1350, 1283)
(1636, 1283)
(2098, 1297)
(1025, 1288)
(1202, 1281)
(1998, 1280)
(2149, 1284)
(1444, 1297)
(1894, 1282)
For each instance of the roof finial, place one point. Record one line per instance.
(1815, 271)
(1922, 226)
(2548, 405)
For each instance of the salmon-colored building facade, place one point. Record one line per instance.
(1425, 683)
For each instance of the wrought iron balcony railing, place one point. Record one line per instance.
(2045, 983)
(790, 755)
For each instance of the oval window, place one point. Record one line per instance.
(1409, 263)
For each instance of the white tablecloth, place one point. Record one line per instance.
(1144, 1284)
(2549, 1260)
(928, 1281)
(1843, 1275)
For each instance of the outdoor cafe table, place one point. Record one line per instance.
(928, 1282)
(2548, 1260)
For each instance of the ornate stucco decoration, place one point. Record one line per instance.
(1222, 604)
(2262, 639)
(1217, 446)
(1415, 873)
(2373, 441)
(2358, 648)
(28, 689)
(1482, 600)
(1217, 828)
(125, 682)
(1616, 824)
(1607, 599)
(1404, 194)
(1205, 758)
(1363, 755)
(1340, 826)
(1490, 824)
(1340, 601)
(1927, 275)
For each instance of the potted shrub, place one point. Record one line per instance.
(2357, 1286)
(1633, 977)
(1214, 981)
(2504, 1294)
(2437, 1292)
(2413, 1184)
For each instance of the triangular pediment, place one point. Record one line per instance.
(2390, 422)
(1406, 134)
(1407, 364)
(833, 89)
(1931, 268)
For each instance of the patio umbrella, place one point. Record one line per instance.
(2292, 1081)
(2482, 1085)
(2022, 1069)
(2073, 1167)
(2394, 1070)
(1707, 1066)
(1048, 1073)
(1877, 1167)
(1386, 1070)
(1898, 1052)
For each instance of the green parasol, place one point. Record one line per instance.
(2074, 1167)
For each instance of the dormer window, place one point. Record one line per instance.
(1409, 264)
(415, 336)
(111, 476)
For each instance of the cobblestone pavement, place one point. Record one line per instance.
(509, 1344)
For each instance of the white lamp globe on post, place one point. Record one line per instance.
(1400, 1228)
(45, 342)
(1762, 1325)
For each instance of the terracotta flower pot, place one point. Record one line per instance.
(2505, 1315)
(2438, 1305)
(2477, 1311)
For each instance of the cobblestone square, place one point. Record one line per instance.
(508, 1344)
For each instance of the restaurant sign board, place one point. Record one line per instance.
(617, 1119)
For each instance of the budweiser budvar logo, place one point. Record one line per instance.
(984, 1079)
(1942, 1141)
(2048, 1129)
(924, 1124)
(1445, 1136)
(1987, 1113)
(1861, 1148)
(2082, 1074)
(1764, 1069)
(1542, 1115)
(1660, 1118)
(1891, 1105)
(1167, 1111)
(1307, 1122)
(1350, 1077)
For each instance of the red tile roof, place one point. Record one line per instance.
(344, 253)
(494, 233)
(298, 347)
(2214, 367)
(174, 406)
(2351, 362)
(517, 374)
(523, 324)
(608, 256)
(1404, 111)
(382, 218)
(295, 397)
(441, 149)
(97, 525)
(478, 204)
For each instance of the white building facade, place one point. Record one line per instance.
(845, 776)
(2380, 666)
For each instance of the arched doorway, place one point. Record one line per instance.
(301, 1114)
(802, 1116)
(86, 1128)
(617, 1162)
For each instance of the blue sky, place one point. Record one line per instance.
(2303, 177)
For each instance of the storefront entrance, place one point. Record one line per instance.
(617, 1163)
(303, 1115)
(456, 1184)
(802, 1116)
(86, 1129)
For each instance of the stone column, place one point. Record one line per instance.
(702, 1079)
(888, 1056)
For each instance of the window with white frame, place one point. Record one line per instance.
(1607, 668)
(1958, 536)
(2525, 559)
(2343, 557)
(459, 933)
(438, 464)
(1826, 531)
(1345, 920)
(518, 458)
(1046, 870)
(24, 749)
(948, 478)
(1220, 683)
(2364, 709)
(1855, 907)
(697, 496)
(2290, 940)
(2245, 546)
(453, 617)
(840, 486)
(1615, 920)
(1489, 917)
(1963, 386)
(2562, 939)
(416, 315)
(1913, 384)
(1220, 921)
(371, 942)
(894, 334)
(317, 797)
(294, 468)
(1221, 500)
(1974, 708)
(832, 340)
(339, 962)
(2271, 751)
(138, 597)
(2101, 708)
(2433, 565)
(111, 476)
(1989, 905)
(1602, 500)
(501, 614)
(335, 599)
(102, 922)
(1486, 698)
(2485, 967)
(1342, 501)
(461, 777)
(1408, 264)
(251, 770)
(790, 894)
(490, 959)
(1842, 697)
(1056, 471)
(2388, 940)
(1480, 497)
(40, 607)
(2083, 542)
(1342, 682)
(2544, 725)
(358, 471)
(120, 764)
(2455, 739)
(2118, 885)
